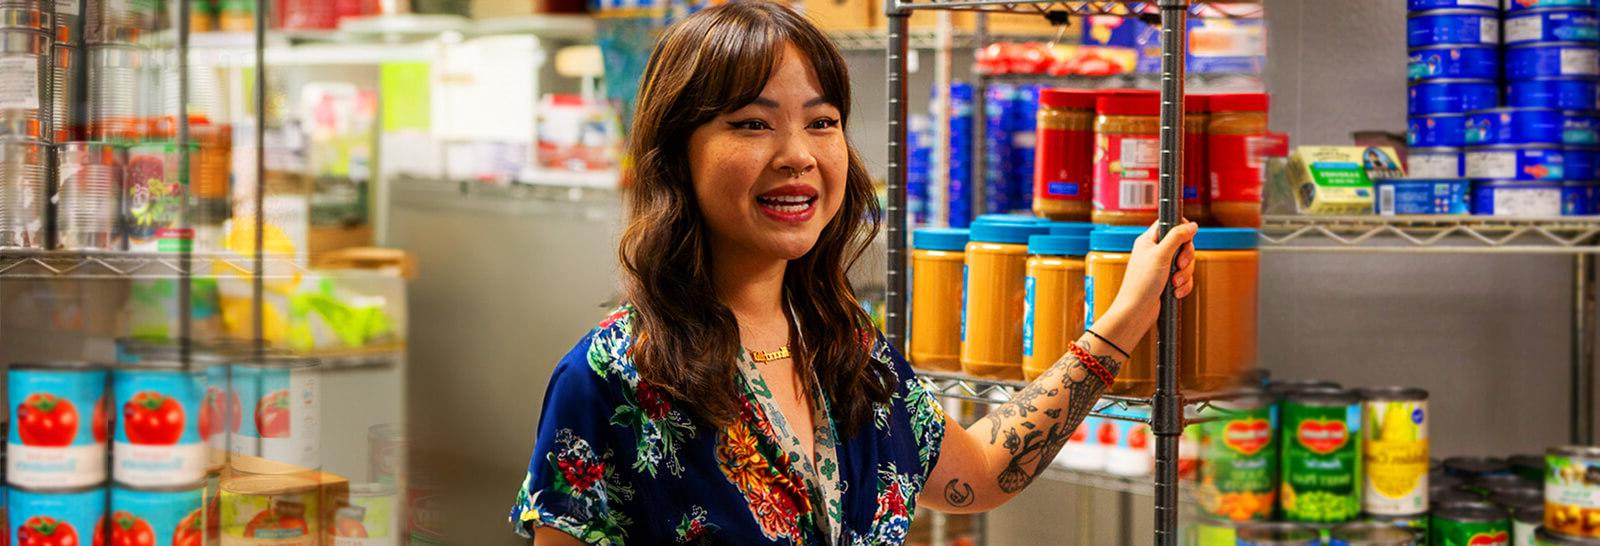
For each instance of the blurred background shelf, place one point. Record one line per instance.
(1431, 234)
(36, 264)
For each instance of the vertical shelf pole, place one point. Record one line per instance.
(895, 289)
(977, 180)
(257, 288)
(186, 211)
(1167, 412)
(1583, 350)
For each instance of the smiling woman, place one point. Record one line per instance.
(742, 396)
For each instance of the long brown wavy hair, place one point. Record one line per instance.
(686, 342)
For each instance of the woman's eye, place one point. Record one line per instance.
(749, 125)
(825, 123)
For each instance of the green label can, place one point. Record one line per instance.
(1470, 526)
(1215, 532)
(1321, 469)
(1239, 454)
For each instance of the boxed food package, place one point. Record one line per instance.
(1338, 179)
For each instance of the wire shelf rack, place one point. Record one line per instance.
(1423, 234)
(47, 264)
(1197, 408)
(1213, 9)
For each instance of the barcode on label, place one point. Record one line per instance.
(1386, 200)
(1137, 194)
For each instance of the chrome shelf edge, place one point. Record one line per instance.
(46, 264)
(1431, 234)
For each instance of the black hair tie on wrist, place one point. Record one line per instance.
(1108, 342)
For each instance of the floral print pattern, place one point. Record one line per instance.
(616, 461)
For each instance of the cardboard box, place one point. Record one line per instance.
(843, 14)
(1338, 179)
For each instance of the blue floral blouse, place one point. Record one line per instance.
(617, 463)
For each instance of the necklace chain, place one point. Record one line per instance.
(764, 357)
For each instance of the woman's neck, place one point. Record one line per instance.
(751, 288)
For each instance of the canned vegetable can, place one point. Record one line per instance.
(1470, 526)
(1452, 26)
(1395, 450)
(1552, 25)
(284, 394)
(1572, 491)
(59, 423)
(158, 440)
(1372, 534)
(157, 517)
(1321, 467)
(1238, 472)
(1551, 59)
(1453, 61)
(1278, 534)
(58, 518)
(153, 205)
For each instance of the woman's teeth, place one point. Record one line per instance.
(786, 203)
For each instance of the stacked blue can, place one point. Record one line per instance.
(959, 196)
(1532, 154)
(919, 167)
(1010, 114)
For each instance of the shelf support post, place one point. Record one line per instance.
(895, 287)
(1166, 420)
(1583, 350)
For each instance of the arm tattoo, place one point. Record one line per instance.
(1034, 441)
(959, 494)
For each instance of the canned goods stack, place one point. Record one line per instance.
(56, 452)
(919, 167)
(960, 167)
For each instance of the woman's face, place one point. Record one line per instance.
(769, 176)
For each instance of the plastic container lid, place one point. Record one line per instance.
(1007, 233)
(1114, 239)
(1128, 103)
(1059, 245)
(1226, 239)
(1239, 102)
(1072, 228)
(1009, 219)
(947, 239)
(1071, 99)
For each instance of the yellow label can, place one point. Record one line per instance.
(1395, 453)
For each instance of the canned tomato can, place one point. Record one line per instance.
(1525, 522)
(158, 440)
(1239, 458)
(1422, 196)
(1425, 5)
(1451, 96)
(1514, 198)
(1321, 466)
(1552, 25)
(1436, 131)
(1525, 162)
(1551, 59)
(24, 193)
(1470, 525)
(1417, 524)
(1572, 491)
(88, 195)
(1452, 26)
(212, 496)
(1515, 126)
(173, 516)
(25, 74)
(282, 400)
(1577, 197)
(1372, 534)
(1278, 534)
(59, 421)
(1514, 6)
(1570, 93)
(223, 403)
(72, 517)
(283, 509)
(1435, 163)
(1395, 450)
(1454, 61)
(370, 518)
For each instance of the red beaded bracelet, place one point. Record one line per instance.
(1092, 363)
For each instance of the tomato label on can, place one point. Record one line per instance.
(1572, 495)
(1239, 473)
(59, 424)
(221, 404)
(158, 435)
(1395, 457)
(56, 518)
(269, 511)
(157, 517)
(1321, 462)
(288, 416)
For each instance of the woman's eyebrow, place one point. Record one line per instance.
(769, 103)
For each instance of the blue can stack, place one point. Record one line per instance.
(1011, 113)
(919, 167)
(1510, 89)
(961, 176)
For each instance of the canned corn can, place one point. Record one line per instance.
(1514, 6)
(1552, 25)
(1570, 93)
(1435, 163)
(1516, 198)
(1424, 5)
(1451, 96)
(1452, 26)
(1515, 126)
(158, 440)
(1321, 467)
(282, 398)
(59, 423)
(1454, 61)
(1278, 534)
(1572, 491)
(61, 518)
(1437, 131)
(1551, 59)
(1239, 452)
(1395, 451)
(370, 518)
(1525, 162)
(270, 511)
(157, 517)
(24, 193)
(1372, 534)
(1470, 526)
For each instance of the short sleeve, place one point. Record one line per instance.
(571, 470)
(922, 409)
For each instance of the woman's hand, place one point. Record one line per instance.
(1138, 302)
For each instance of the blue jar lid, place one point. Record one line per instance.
(1115, 238)
(1010, 219)
(948, 239)
(1071, 228)
(1059, 245)
(1007, 233)
(1226, 239)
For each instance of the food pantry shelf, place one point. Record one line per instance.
(1431, 234)
(38, 264)
(1121, 408)
(1222, 8)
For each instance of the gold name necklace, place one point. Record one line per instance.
(764, 357)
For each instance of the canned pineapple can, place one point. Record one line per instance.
(269, 510)
(1572, 491)
(157, 516)
(1321, 466)
(1395, 451)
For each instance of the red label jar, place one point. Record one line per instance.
(1127, 157)
(1064, 165)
